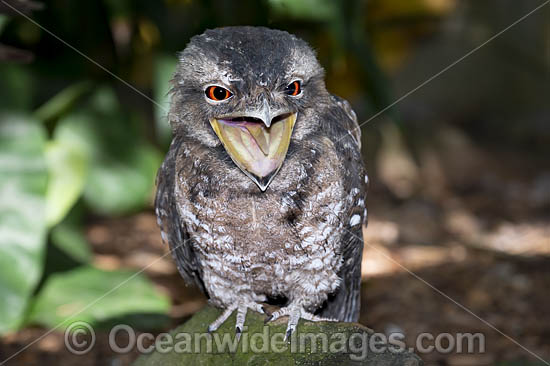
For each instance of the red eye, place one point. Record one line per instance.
(294, 88)
(217, 93)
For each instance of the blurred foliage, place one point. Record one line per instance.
(163, 71)
(87, 157)
(23, 182)
(106, 294)
(67, 236)
(67, 167)
(76, 143)
(121, 163)
(318, 10)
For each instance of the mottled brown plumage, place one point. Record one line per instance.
(286, 228)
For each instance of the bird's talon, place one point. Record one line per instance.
(241, 308)
(288, 335)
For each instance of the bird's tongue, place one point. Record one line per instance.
(258, 150)
(261, 136)
(253, 144)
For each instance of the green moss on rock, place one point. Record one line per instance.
(314, 343)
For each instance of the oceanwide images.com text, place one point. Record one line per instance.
(80, 338)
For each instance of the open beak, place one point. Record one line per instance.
(257, 147)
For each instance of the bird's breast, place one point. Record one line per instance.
(273, 238)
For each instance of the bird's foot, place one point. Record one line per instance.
(294, 313)
(241, 307)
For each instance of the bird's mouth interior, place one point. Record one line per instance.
(258, 150)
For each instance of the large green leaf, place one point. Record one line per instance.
(122, 164)
(119, 186)
(67, 169)
(95, 296)
(69, 238)
(23, 180)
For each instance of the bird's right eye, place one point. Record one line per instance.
(294, 89)
(217, 93)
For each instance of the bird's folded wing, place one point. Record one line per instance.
(172, 227)
(345, 303)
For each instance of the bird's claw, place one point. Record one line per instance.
(238, 332)
(241, 307)
(294, 313)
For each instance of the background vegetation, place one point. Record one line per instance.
(459, 168)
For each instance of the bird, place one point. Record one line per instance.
(261, 195)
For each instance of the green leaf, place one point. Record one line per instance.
(165, 66)
(318, 10)
(94, 296)
(67, 166)
(23, 180)
(119, 186)
(69, 238)
(62, 102)
(122, 164)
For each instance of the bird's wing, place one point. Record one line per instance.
(171, 225)
(350, 124)
(345, 303)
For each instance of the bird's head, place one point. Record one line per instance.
(247, 88)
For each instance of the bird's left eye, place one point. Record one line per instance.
(294, 88)
(217, 93)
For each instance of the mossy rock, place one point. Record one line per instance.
(262, 344)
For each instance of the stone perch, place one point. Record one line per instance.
(314, 343)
